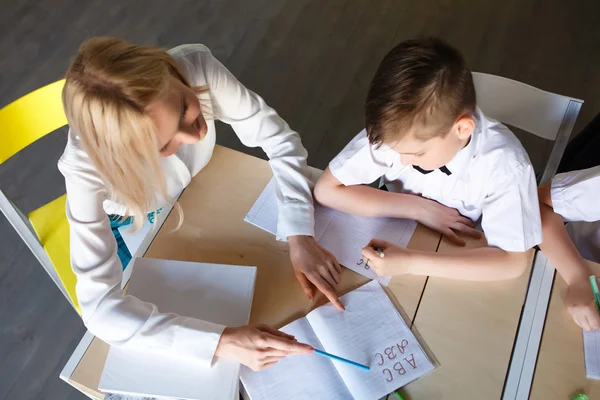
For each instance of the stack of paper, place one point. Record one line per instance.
(217, 293)
(370, 332)
(344, 235)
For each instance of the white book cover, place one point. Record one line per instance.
(343, 235)
(217, 293)
(370, 332)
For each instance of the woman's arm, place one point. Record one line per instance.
(258, 125)
(120, 320)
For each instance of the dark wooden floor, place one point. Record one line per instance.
(310, 60)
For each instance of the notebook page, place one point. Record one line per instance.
(591, 349)
(308, 377)
(370, 332)
(344, 235)
(212, 292)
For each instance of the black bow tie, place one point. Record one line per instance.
(424, 171)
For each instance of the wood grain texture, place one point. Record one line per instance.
(560, 368)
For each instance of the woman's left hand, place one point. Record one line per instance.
(395, 259)
(315, 267)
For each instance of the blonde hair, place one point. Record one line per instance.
(108, 87)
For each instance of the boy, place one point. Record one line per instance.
(444, 163)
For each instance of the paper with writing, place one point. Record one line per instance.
(370, 332)
(344, 235)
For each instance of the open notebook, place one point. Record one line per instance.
(217, 293)
(370, 332)
(344, 235)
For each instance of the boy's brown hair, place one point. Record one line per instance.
(423, 85)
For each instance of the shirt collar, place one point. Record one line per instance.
(463, 158)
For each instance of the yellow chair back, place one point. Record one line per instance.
(30, 118)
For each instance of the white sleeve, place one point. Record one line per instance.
(511, 213)
(113, 317)
(258, 125)
(360, 163)
(575, 195)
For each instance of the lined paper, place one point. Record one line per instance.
(344, 235)
(370, 332)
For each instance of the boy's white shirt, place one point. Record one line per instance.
(125, 320)
(491, 178)
(575, 197)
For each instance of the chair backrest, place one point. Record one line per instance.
(29, 118)
(544, 114)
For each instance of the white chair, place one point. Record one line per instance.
(547, 115)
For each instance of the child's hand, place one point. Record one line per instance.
(581, 305)
(447, 221)
(315, 267)
(395, 260)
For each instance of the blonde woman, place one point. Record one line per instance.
(141, 128)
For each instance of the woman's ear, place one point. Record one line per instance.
(464, 127)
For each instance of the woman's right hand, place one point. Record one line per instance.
(258, 346)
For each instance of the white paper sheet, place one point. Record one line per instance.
(591, 347)
(288, 378)
(344, 235)
(211, 292)
(370, 332)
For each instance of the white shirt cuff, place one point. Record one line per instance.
(198, 339)
(295, 218)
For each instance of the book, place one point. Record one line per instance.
(212, 292)
(370, 332)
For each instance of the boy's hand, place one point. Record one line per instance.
(396, 260)
(315, 267)
(258, 346)
(447, 221)
(581, 305)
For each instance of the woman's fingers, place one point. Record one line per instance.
(287, 345)
(276, 332)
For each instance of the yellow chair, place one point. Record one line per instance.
(46, 231)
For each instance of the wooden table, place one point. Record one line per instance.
(560, 370)
(468, 327)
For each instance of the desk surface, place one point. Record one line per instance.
(215, 204)
(470, 327)
(560, 369)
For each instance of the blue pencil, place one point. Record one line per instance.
(325, 354)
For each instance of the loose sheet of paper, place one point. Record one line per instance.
(370, 332)
(591, 348)
(297, 377)
(344, 235)
(218, 293)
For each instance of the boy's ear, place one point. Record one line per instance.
(464, 127)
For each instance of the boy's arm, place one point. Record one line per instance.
(370, 202)
(365, 200)
(481, 264)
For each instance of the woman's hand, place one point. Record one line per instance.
(581, 304)
(258, 346)
(315, 267)
(446, 221)
(395, 260)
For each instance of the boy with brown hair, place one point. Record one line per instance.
(445, 165)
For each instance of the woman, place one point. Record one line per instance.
(141, 128)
